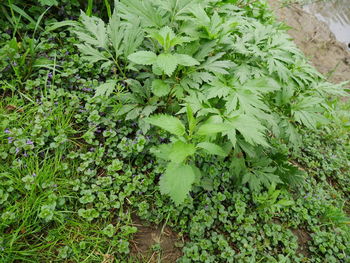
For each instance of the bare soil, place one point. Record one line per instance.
(146, 240)
(303, 239)
(315, 39)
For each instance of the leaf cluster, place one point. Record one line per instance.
(221, 82)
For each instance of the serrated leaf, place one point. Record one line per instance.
(126, 108)
(96, 29)
(180, 151)
(91, 54)
(252, 180)
(212, 148)
(168, 123)
(243, 72)
(133, 114)
(218, 89)
(167, 62)
(262, 85)
(307, 111)
(200, 14)
(105, 89)
(85, 37)
(116, 32)
(133, 38)
(148, 110)
(333, 89)
(237, 166)
(186, 60)
(249, 102)
(251, 129)
(177, 182)
(160, 88)
(291, 132)
(261, 176)
(143, 57)
(212, 128)
(162, 151)
(164, 37)
(175, 152)
(143, 10)
(213, 64)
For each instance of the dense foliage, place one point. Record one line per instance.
(201, 115)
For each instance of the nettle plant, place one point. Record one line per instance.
(221, 83)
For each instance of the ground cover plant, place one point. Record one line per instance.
(202, 116)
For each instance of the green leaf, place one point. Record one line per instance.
(237, 166)
(251, 129)
(218, 89)
(143, 57)
(262, 85)
(168, 123)
(133, 114)
(160, 88)
(164, 37)
(285, 202)
(126, 108)
(22, 13)
(44, 63)
(175, 152)
(177, 182)
(167, 62)
(212, 128)
(56, 25)
(109, 230)
(132, 39)
(212, 148)
(162, 151)
(308, 111)
(143, 10)
(105, 89)
(180, 151)
(252, 180)
(116, 32)
(199, 12)
(213, 64)
(291, 133)
(91, 54)
(96, 31)
(191, 119)
(207, 184)
(261, 176)
(48, 2)
(186, 60)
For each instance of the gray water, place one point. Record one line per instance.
(336, 14)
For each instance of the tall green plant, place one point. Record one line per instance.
(232, 82)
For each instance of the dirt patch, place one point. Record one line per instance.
(303, 239)
(155, 243)
(318, 43)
